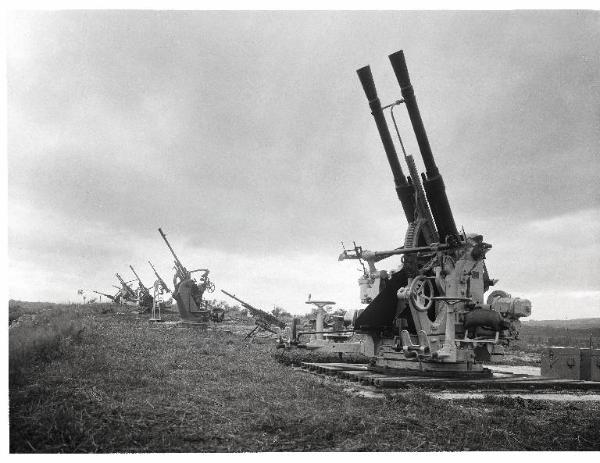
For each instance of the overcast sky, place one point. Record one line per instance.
(247, 137)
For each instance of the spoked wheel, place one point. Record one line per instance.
(421, 293)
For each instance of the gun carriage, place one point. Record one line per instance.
(188, 292)
(430, 315)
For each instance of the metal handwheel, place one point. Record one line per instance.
(210, 286)
(421, 293)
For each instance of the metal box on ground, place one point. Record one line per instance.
(561, 362)
(590, 364)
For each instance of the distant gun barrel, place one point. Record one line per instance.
(245, 304)
(125, 286)
(433, 183)
(179, 268)
(257, 313)
(112, 298)
(404, 189)
(138, 278)
(160, 280)
(120, 279)
(168, 244)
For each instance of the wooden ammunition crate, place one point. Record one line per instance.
(590, 364)
(561, 362)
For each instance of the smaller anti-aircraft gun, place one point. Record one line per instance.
(145, 300)
(189, 293)
(263, 320)
(127, 293)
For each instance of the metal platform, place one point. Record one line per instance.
(501, 380)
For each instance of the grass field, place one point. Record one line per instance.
(101, 381)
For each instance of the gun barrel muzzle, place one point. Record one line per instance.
(434, 183)
(404, 190)
(401, 71)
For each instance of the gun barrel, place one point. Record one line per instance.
(433, 184)
(125, 286)
(379, 255)
(168, 244)
(142, 286)
(239, 300)
(136, 275)
(401, 71)
(404, 190)
(257, 313)
(103, 294)
(160, 280)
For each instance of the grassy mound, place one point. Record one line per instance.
(40, 337)
(127, 385)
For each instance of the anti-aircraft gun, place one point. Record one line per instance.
(430, 315)
(263, 320)
(189, 293)
(126, 292)
(145, 299)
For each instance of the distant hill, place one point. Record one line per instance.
(575, 323)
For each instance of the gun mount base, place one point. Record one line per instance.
(189, 311)
(196, 318)
(426, 368)
(146, 304)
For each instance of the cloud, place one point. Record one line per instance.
(247, 135)
(565, 304)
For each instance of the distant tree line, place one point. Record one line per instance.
(235, 311)
(554, 336)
